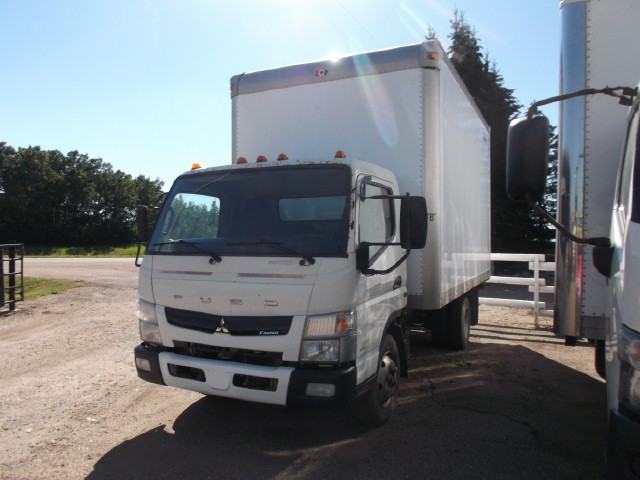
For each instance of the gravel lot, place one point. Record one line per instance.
(516, 405)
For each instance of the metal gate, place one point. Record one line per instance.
(11, 277)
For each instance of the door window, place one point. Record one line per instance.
(376, 221)
(626, 202)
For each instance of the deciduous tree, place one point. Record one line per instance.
(48, 197)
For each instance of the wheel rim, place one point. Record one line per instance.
(387, 379)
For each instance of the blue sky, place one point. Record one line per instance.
(144, 84)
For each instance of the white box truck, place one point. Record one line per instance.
(292, 275)
(598, 244)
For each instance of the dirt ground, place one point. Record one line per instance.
(517, 404)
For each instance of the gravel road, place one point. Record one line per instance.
(516, 405)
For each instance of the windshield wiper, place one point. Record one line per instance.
(214, 258)
(280, 246)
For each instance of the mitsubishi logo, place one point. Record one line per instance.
(221, 327)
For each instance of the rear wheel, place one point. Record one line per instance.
(459, 326)
(378, 403)
(437, 324)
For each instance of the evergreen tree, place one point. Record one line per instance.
(514, 228)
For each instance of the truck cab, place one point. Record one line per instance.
(252, 284)
(620, 263)
(616, 259)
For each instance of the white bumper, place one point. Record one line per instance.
(219, 376)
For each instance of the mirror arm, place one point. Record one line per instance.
(138, 255)
(623, 94)
(596, 241)
(143, 230)
(369, 271)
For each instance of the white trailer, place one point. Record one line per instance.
(282, 278)
(597, 256)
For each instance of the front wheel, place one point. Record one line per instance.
(378, 403)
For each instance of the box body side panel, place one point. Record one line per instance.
(465, 192)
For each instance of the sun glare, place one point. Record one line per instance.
(335, 56)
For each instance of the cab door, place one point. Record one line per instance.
(625, 266)
(380, 295)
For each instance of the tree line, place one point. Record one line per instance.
(47, 197)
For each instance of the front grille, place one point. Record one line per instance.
(210, 323)
(239, 355)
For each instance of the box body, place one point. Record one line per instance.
(404, 109)
(597, 50)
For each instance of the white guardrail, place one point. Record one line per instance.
(536, 284)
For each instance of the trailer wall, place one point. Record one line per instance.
(596, 51)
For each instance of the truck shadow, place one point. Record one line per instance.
(493, 411)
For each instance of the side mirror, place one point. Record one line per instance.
(413, 222)
(602, 260)
(142, 222)
(527, 157)
(362, 257)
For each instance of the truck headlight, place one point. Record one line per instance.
(629, 352)
(149, 331)
(329, 338)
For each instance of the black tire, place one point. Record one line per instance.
(437, 325)
(570, 341)
(473, 296)
(600, 362)
(376, 406)
(459, 323)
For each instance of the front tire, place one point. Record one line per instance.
(376, 406)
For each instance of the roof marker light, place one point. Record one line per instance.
(432, 55)
(261, 158)
(340, 154)
(195, 166)
(241, 160)
(282, 156)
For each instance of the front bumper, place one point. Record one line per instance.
(623, 447)
(255, 383)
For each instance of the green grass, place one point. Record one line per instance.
(104, 251)
(38, 287)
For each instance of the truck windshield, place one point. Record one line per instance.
(271, 211)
